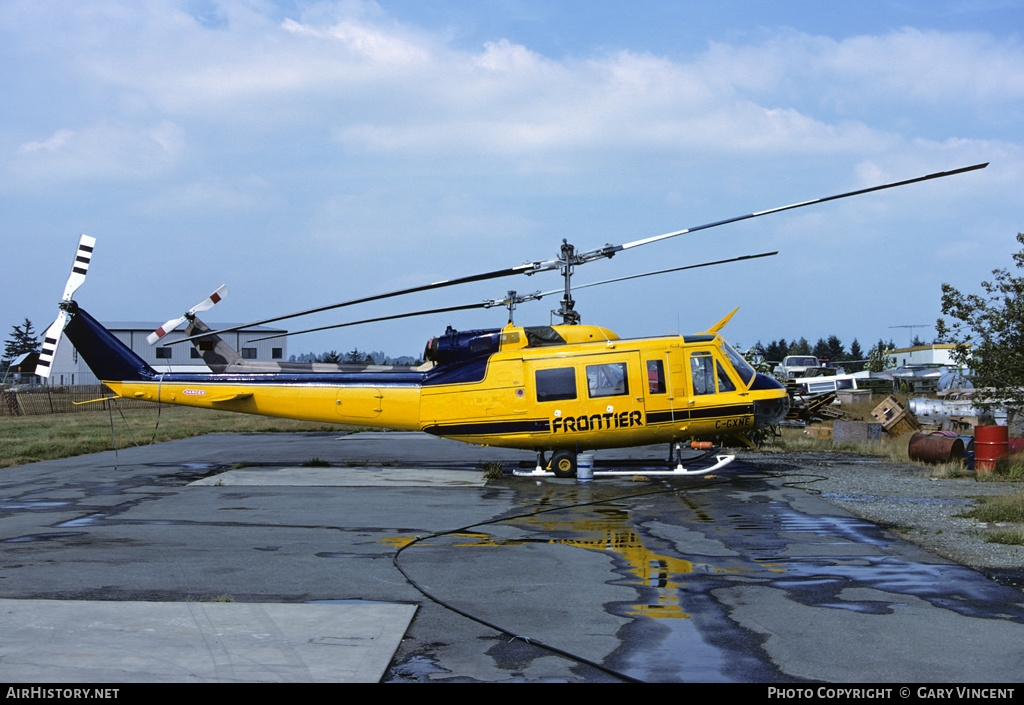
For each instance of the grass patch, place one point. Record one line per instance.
(494, 470)
(1009, 467)
(1007, 508)
(794, 439)
(1004, 509)
(29, 439)
(1008, 537)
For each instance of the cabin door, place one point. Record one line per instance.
(613, 398)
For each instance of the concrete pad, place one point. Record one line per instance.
(343, 477)
(46, 641)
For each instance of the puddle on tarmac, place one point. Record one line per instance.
(30, 538)
(757, 540)
(13, 505)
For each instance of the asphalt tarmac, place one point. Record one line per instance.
(390, 558)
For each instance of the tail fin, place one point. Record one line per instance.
(106, 356)
(217, 354)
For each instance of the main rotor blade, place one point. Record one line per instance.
(500, 302)
(664, 271)
(937, 175)
(465, 307)
(521, 269)
(601, 252)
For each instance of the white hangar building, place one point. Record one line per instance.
(68, 369)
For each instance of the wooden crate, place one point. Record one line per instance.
(887, 410)
(894, 418)
(902, 423)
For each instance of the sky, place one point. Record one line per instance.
(307, 153)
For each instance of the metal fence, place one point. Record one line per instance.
(34, 401)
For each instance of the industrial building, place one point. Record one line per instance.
(69, 369)
(926, 355)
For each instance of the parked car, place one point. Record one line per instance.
(796, 366)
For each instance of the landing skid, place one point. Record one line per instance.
(720, 462)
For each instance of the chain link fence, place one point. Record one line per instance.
(35, 401)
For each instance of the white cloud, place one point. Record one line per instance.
(57, 141)
(101, 151)
(377, 86)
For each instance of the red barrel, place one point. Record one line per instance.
(990, 444)
(935, 449)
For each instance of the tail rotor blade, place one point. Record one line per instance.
(80, 266)
(204, 305)
(51, 337)
(163, 330)
(49, 350)
(209, 302)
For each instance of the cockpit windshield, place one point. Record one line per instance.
(742, 367)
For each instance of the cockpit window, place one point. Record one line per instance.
(742, 367)
(702, 370)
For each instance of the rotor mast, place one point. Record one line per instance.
(566, 262)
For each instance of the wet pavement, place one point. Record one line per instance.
(739, 576)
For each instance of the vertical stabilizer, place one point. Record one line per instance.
(106, 356)
(217, 354)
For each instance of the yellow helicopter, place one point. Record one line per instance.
(560, 389)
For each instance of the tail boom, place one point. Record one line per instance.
(377, 399)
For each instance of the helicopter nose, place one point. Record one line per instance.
(768, 412)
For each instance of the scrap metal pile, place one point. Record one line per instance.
(806, 408)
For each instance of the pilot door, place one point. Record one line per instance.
(717, 403)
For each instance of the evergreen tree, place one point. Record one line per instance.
(23, 340)
(835, 348)
(855, 352)
(821, 350)
(800, 347)
(777, 350)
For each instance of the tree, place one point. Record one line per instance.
(878, 361)
(358, 357)
(987, 331)
(800, 347)
(23, 340)
(855, 352)
(776, 350)
(836, 351)
(820, 350)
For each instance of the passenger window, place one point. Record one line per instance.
(556, 384)
(655, 377)
(702, 369)
(607, 380)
